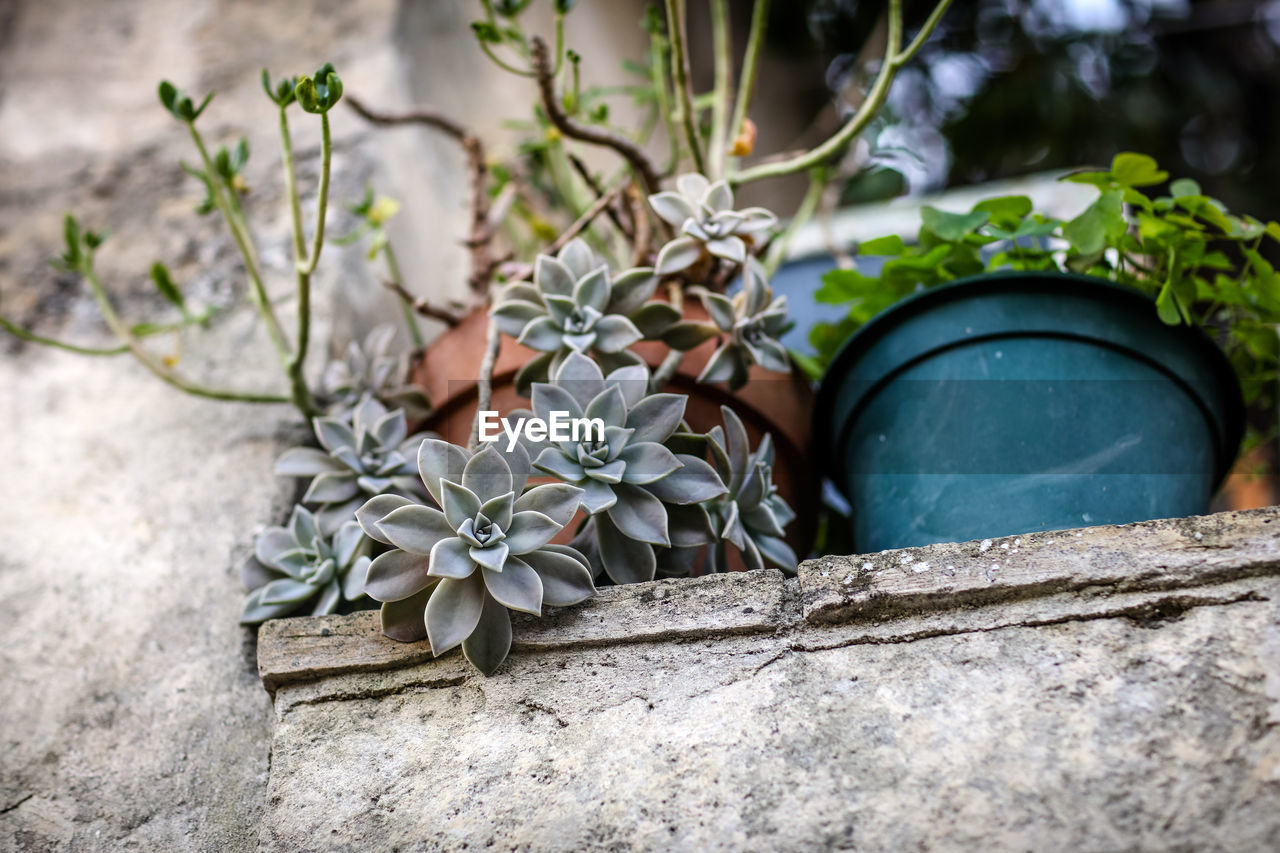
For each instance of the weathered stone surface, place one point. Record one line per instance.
(1122, 712)
(1148, 556)
(291, 650)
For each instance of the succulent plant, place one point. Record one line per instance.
(372, 370)
(752, 516)
(752, 321)
(365, 453)
(297, 565)
(455, 571)
(573, 306)
(639, 493)
(705, 216)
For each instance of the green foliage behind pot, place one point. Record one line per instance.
(1201, 264)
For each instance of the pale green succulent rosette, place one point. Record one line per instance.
(704, 214)
(640, 495)
(752, 516)
(752, 322)
(454, 572)
(371, 369)
(365, 453)
(573, 305)
(297, 568)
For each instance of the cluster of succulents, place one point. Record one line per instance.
(372, 369)
(366, 452)
(453, 573)
(297, 567)
(449, 540)
(703, 212)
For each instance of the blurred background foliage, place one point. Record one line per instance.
(1010, 87)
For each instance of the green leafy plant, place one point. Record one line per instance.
(1200, 262)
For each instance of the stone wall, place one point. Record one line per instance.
(1101, 689)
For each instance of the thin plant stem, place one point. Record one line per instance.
(750, 62)
(484, 386)
(241, 237)
(290, 187)
(149, 361)
(19, 332)
(721, 94)
(680, 77)
(670, 362)
(893, 61)
(657, 70)
(322, 200)
(393, 266)
(804, 212)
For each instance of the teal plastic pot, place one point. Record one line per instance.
(1012, 402)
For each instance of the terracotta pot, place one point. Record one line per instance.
(770, 402)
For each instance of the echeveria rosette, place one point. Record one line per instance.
(371, 369)
(752, 516)
(639, 494)
(752, 321)
(454, 571)
(298, 568)
(704, 214)
(574, 306)
(365, 453)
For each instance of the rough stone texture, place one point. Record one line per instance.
(132, 717)
(1113, 688)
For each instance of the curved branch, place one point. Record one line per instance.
(481, 234)
(627, 149)
(890, 65)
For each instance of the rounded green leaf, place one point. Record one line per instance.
(490, 643)
(396, 575)
(517, 586)
(453, 611)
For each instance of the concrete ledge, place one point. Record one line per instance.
(1152, 555)
(304, 649)
(1113, 688)
(1132, 568)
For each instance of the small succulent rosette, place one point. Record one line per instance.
(454, 572)
(709, 226)
(364, 453)
(297, 568)
(752, 516)
(371, 369)
(639, 494)
(751, 323)
(573, 305)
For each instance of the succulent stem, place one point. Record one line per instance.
(750, 59)
(680, 76)
(720, 100)
(241, 237)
